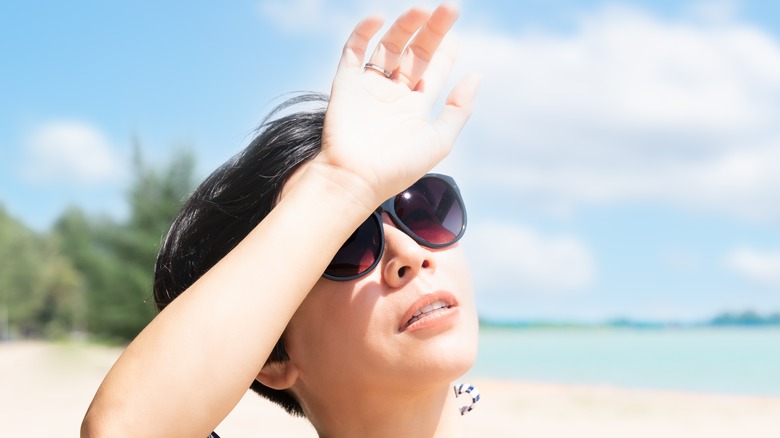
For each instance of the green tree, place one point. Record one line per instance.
(41, 294)
(79, 239)
(117, 259)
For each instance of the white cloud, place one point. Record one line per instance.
(630, 107)
(502, 254)
(70, 151)
(758, 266)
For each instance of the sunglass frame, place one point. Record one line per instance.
(389, 207)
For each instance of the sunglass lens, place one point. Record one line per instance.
(359, 253)
(432, 210)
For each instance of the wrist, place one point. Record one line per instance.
(356, 191)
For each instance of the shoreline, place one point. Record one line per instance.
(46, 388)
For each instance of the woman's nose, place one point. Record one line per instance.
(405, 257)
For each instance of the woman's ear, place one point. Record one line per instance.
(278, 375)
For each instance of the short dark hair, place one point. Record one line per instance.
(233, 200)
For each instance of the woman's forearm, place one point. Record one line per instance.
(190, 366)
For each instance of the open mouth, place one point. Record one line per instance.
(428, 310)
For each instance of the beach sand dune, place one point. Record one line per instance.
(45, 389)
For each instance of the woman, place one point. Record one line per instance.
(370, 347)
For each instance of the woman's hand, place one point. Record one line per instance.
(379, 129)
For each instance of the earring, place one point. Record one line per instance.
(468, 389)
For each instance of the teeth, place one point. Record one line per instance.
(429, 308)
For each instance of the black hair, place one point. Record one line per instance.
(232, 201)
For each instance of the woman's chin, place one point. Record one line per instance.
(444, 358)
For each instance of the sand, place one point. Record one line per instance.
(45, 389)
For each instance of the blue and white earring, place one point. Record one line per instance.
(471, 391)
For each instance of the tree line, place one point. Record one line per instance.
(746, 318)
(88, 275)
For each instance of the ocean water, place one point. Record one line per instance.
(718, 360)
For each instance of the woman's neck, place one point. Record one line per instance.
(411, 414)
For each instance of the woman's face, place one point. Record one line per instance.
(365, 333)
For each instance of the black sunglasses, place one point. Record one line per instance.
(431, 212)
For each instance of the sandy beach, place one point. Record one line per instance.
(45, 389)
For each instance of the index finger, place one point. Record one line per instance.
(355, 48)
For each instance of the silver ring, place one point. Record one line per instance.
(377, 68)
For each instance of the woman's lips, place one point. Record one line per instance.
(428, 311)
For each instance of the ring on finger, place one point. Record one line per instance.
(377, 68)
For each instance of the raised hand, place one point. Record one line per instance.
(378, 125)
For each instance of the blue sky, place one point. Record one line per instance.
(623, 160)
